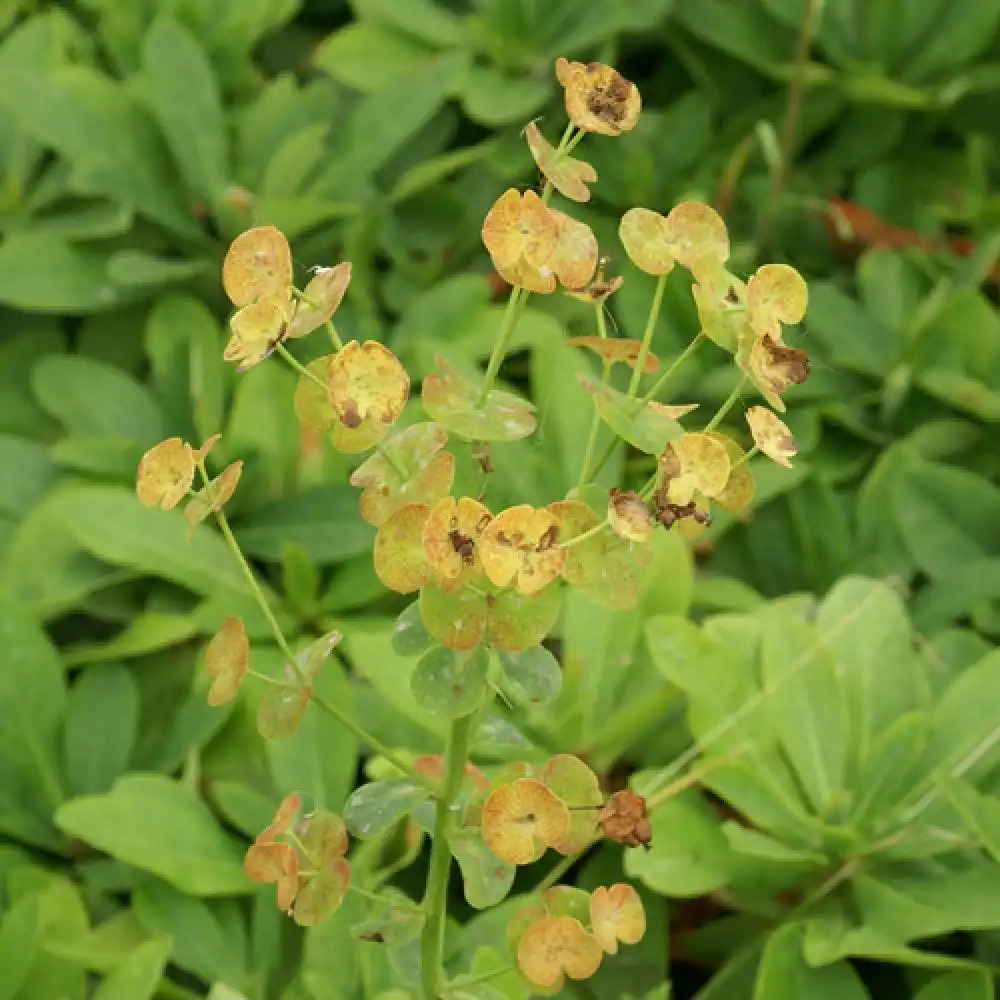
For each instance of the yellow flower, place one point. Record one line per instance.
(258, 265)
(256, 330)
(165, 474)
(519, 228)
(598, 98)
(367, 384)
(519, 546)
(567, 175)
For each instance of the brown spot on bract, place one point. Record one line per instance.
(630, 517)
(598, 98)
(771, 436)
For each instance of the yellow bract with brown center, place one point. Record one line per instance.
(696, 463)
(226, 660)
(519, 545)
(616, 914)
(519, 228)
(554, 947)
(629, 517)
(452, 537)
(258, 265)
(598, 98)
(567, 175)
(771, 436)
(256, 330)
(320, 299)
(165, 474)
(773, 368)
(367, 383)
(522, 819)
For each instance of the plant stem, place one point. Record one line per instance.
(332, 710)
(647, 335)
(726, 406)
(595, 421)
(654, 390)
(334, 336)
(435, 903)
(589, 533)
(789, 126)
(298, 366)
(745, 457)
(518, 296)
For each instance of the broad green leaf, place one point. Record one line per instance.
(893, 766)
(450, 683)
(19, 940)
(39, 272)
(492, 97)
(485, 878)
(428, 20)
(865, 625)
(950, 596)
(646, 426)
(141, 271)
(409, 635)
(28, 473)
(849, 336)
(740, 32)
(159, 826)
(114, 458)
(208, 938)
(961, 984)
(367, 56)
(182, 91)
(533, 675)
(324, 520)
(375, 807)
(138, 977)
(62, 920)
(146, 633)
(981, 813)
(965, 723)
(102, 718)
(807, 706)
(785, 975)
(32, 705)
(91, 398)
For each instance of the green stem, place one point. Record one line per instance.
(435, 903)
(332, 710)
(334, 336)
(589, 533)
(745, 457)
(726, 406)
(560, 869)
(647, 335)
(595, 421)
(668, 374)
(298, 366)
(518, 296)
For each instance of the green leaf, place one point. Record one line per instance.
(518, 621)
(375, 807)
(39, 272)
(102, 719)
(645, 426)
(409, 635)
(146, 633)
(533, 675)
(981, 813)
(32, 705)
(485, 878)
(965, 723)
(159, 826)
(784, 974)
(92, 398)
(807, 706)
(451, 683)
(960, 984)
(28, 474)
(367, 56)
(62, 920)
(851, 338)
(19, 940)
(865, 625)
(182, 91)
(892, 767)
(491, 97)
(136, 269)
(323, 520)
(208, 939)
(424, 19)
(138, 977)
(738, 31)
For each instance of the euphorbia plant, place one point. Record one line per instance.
(489, 583)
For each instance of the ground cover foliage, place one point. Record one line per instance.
(801, 685)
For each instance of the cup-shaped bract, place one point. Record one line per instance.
(257, 265)
(321, 895)
(574, 260)
(212, 498)
(577, 786)
(554, 947)
(618, 349)
(256, 330)
(695, 463)
(771, 436)
(643, 233)
(567, 175)
(283, 820)
(226, 659)
(617, 915)
(320, 299)
(773, 368)
(274, 864)
(410, 468)
(520, 227)
(695, 231)
(776, 294)
(399, 557)
(367, 384)
(452, 535)
(629, 516)
(519, 546)
(739, 489)
(598, 98)
(521, 819)
(165, 474)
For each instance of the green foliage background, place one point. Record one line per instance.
(137, 137)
